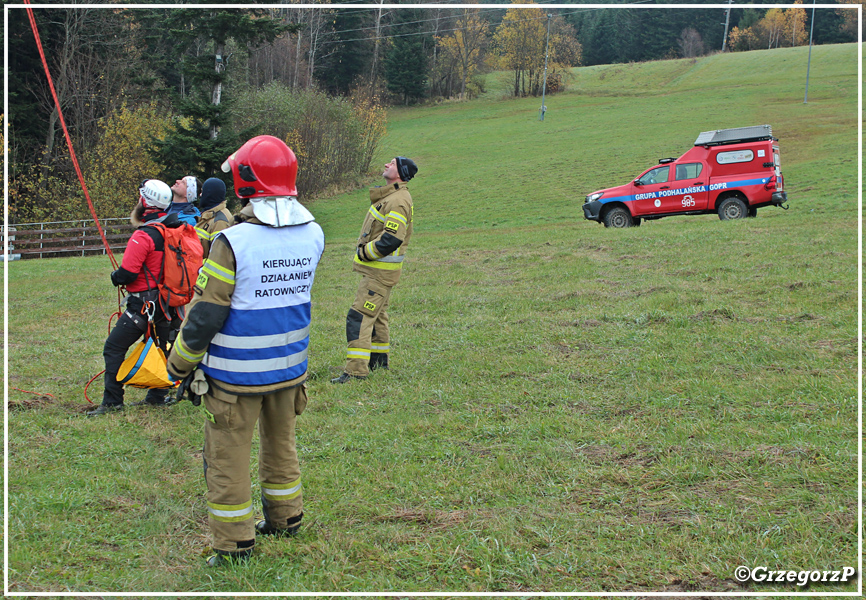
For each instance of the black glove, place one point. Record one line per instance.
(123, 277)
(183, 389)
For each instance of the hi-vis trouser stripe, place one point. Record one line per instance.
(359, 353)
(187, 354)
(377, 215)
(398, 217)
(281, 491)
(380, 348)
(231, 513)
(212, 269)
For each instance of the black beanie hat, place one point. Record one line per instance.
(406, 167)
(213, 192)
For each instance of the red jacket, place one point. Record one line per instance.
(141, 253)
(142, 261)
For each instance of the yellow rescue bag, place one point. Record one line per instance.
(145, 367)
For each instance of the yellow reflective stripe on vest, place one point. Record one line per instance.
(377, 215)
(231, 513)
(395, 215)
(281, 491)
(214, 270)
(361, 353)
(380, 264)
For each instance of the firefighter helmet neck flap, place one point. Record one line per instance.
(264, 171)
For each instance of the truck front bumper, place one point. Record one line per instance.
(779, 198)
(592, 210)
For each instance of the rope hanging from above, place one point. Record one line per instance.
(66, 134)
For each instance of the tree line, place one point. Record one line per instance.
(166, 92)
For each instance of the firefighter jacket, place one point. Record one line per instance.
(210, 223)
(385, 234)
(248, 325)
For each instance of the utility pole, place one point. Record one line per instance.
(809, 63)
(546, 53)
(727, 22)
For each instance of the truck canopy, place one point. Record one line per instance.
(737, 135)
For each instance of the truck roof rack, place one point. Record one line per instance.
(738, 135)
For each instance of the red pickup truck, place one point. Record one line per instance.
(731, 172)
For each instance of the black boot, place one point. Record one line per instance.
(150, 400)
(222, 559)
(291, 528)
(378, 360)
(104, 409)
(346, 377)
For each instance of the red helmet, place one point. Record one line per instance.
(264, 166)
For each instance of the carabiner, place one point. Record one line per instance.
(149, 308)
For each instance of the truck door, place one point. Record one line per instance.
(649, 189)
(777, 164)
(691, 187)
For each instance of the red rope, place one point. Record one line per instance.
(88, 385)
(74, 158)
(34, 393)
(66, 133)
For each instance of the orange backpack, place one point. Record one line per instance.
(181, 261)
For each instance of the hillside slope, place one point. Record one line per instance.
(614, 120)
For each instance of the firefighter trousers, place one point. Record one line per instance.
(229, 428)
(367, 326)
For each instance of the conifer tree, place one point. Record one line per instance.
(406, 67)
(205, 41)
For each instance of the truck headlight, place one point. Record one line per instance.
(595, 196)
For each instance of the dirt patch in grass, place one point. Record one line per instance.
(716, 313)
(639, 457)
(580, 377)
(705, 582)
(477, 450)
(32, 402)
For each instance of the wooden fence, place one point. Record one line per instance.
(66, 238)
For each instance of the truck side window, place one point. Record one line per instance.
(689, 171)
(657, 175)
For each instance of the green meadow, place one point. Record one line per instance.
(569, 408)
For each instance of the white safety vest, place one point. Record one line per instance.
(265, 337)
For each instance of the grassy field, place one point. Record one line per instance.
(569, 408)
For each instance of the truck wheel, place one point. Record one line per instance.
(617, 217)
(732, 208)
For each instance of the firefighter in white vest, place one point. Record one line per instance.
(243, 348)
(379, 256)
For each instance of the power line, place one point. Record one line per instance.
(399, 35)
